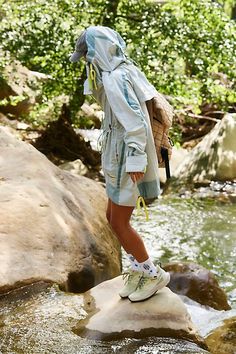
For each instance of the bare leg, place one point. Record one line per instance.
(119, 218)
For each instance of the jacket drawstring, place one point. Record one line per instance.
(138, 205)
(102, 139)
(92, 78)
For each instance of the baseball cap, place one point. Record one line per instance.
(80, 48)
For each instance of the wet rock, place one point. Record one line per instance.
(223, 339)
(214, 158)
(197, 283)
(53, 224)
(112, 317)
(41, 319)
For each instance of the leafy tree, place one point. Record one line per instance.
(229, 6)
(187, 48)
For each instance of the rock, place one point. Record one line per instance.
(93, 136)
(112, 317)
(53, 224)
(93, 112)
(19, 89)
(41, 319)
(223, 339)
(178, 155)
(197, 283)
(214, 158)
(22, 126)
(76, 167)
(60, 143)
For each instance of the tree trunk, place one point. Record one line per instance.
(110, 13)
(233, 13)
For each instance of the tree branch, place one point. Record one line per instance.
(197, 116)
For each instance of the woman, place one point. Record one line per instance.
(129, 159)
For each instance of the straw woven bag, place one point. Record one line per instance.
(161, 116)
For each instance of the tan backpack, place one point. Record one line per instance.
(161, 116)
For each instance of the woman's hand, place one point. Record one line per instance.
(136, 176)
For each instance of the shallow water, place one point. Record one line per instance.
(196, 230)
(37, 319)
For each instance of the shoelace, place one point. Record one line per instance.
(144, 279)
(141, 282)
(126, 277)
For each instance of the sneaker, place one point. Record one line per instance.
(131, 280)
(148, 286)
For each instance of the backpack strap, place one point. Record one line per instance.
(165, 157)
(149, 105)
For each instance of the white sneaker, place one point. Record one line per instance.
(148, 286)
(131, 280)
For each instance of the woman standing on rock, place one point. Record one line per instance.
(129, 159)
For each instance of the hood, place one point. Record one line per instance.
(105, 48)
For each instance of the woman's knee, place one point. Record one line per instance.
(119, 217)
(119, 226)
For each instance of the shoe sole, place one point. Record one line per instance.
(160, 285)
(126, 296)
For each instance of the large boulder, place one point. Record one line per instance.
(111, 317)
(214, 158)
(53, 224)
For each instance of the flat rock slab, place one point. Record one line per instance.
(111, 317)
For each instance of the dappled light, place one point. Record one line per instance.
(117, 176)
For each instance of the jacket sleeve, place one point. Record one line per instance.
(126, 107)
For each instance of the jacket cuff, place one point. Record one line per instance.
(136, 163)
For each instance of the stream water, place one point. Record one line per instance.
(199, 226)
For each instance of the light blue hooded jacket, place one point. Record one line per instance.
(127, 145)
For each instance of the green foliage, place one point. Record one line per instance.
(40, 34)
(187, 48)
(228, 6)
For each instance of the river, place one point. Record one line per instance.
(197, 226)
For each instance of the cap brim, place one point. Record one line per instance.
(75, 57)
